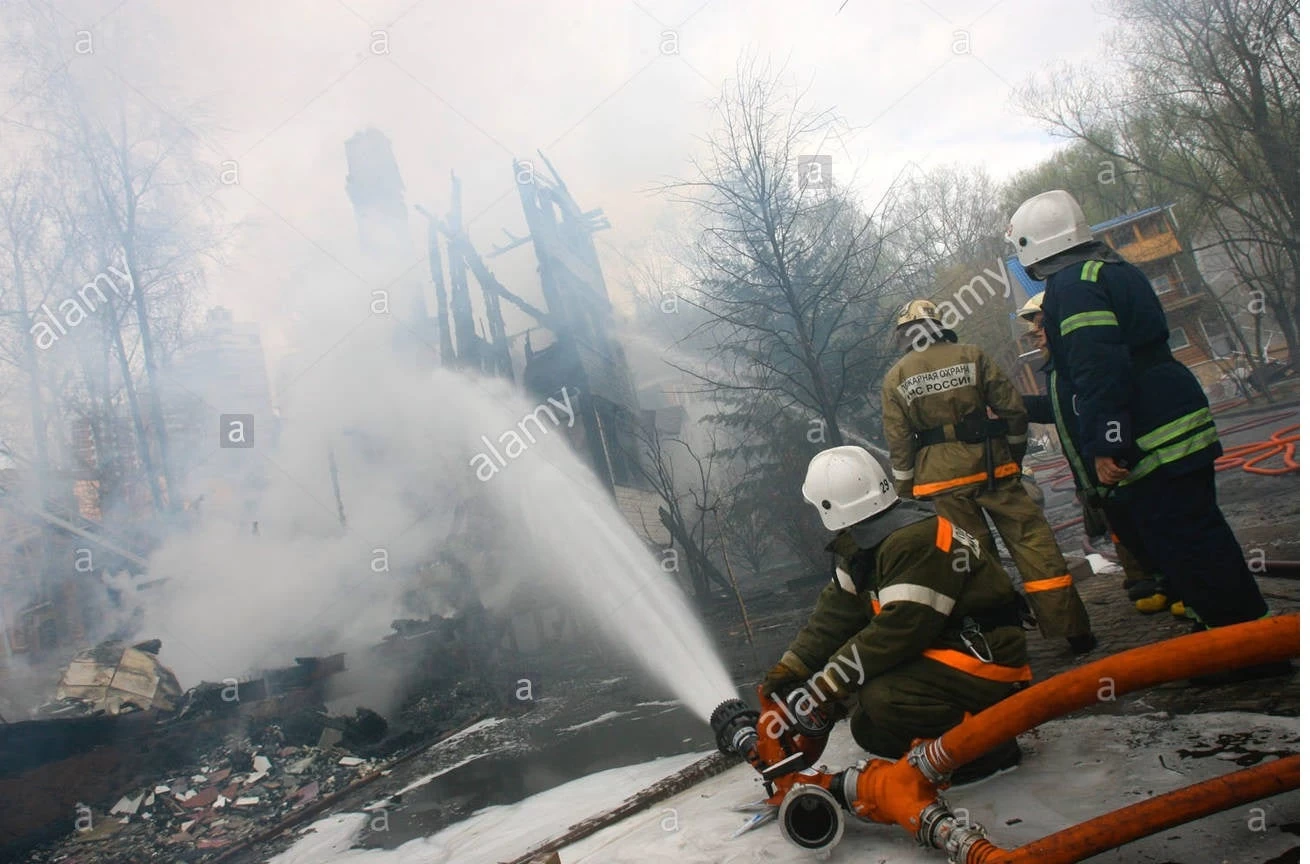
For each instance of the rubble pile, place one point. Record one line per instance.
(232, 794)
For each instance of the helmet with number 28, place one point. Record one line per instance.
(847, 485)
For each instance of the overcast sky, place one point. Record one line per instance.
(615, 92)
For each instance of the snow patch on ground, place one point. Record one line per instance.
(1073, 770)
(325, 840)
(604, 718)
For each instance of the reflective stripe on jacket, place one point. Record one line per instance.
(939, 386)
(1108, 336)
(914, 590)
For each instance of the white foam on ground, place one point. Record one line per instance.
(493, 834)
(1073, 770)
(480, 726)
(604, 718)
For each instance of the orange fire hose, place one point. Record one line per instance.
(1080, 842)
(1248, 456)
(1285, 441)
(906, 792)
(1220, 649)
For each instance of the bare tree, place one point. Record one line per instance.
(746, 527)
(686, 508)
(954, 213)
(123, 194)
(795, 279)
(28, 274)
(1207, 99)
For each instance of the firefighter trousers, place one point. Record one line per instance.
(1098, 516)
(1027, 535)
(918, 699)
(1177, 521)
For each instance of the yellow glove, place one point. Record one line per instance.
(782, 678)
(830, 694)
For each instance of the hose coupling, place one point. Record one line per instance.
(811, 818)
(918, 757)
(939, 828)
(844, 788)
(804, 714)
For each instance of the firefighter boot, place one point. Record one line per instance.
(1149, 595)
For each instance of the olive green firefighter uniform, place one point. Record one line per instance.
(925, 591)
(944, 447)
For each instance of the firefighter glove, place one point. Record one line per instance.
(784, 676)
(830, 694)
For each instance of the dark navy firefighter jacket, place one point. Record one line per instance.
(1056, 407)
(1109, 344)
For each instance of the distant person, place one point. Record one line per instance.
(919, 626)
(1143, 420)
(945, 447)
(1146, 586)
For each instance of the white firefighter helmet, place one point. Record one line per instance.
(1029, 310)
(918, 310)
(847, 485)
(1046, 225)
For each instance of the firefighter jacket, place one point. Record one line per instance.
(1057, 408)
(923, 587)
(1109, 343)
(938, 387)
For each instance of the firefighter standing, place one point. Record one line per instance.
(919, 625)
(935, 403)
(1146, 586)
(1143, 421)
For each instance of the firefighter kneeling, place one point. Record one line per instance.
(919, 625)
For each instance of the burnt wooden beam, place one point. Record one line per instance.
(446, 347)
(486, 281)
(514, 243)
(461, 306)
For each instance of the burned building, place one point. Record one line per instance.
(570, 344)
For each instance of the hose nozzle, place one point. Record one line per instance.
(733, 722)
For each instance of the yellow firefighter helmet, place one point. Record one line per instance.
(1029, 310)
(918, 310)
